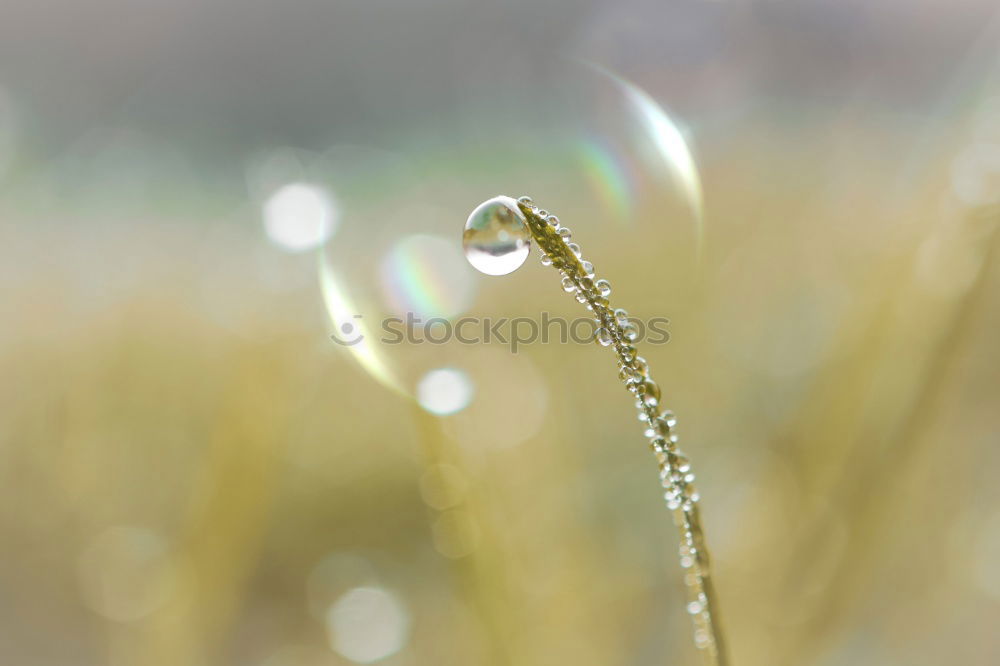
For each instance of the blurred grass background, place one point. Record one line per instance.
(194, 473)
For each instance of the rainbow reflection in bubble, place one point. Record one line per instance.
(609, 175)
(427, 276)
(659, 135)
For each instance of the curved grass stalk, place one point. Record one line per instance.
(676, 477)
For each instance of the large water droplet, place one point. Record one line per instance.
(496, 237)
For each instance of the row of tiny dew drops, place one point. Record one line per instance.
(617, 332)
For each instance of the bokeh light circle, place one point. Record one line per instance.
(444, 391)
(300, 216)
(367, 624)
(126, 573)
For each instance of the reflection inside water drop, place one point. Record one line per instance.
(496, 238)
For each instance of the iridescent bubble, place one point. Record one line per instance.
(629, 161)
(300, 216)
(614, 160)
(425, 276)
(610, 175)
(367, 624)
(351, 331)
(444, 391)
(496, 237)
(668, 140)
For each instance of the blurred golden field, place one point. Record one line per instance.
(194, 473)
